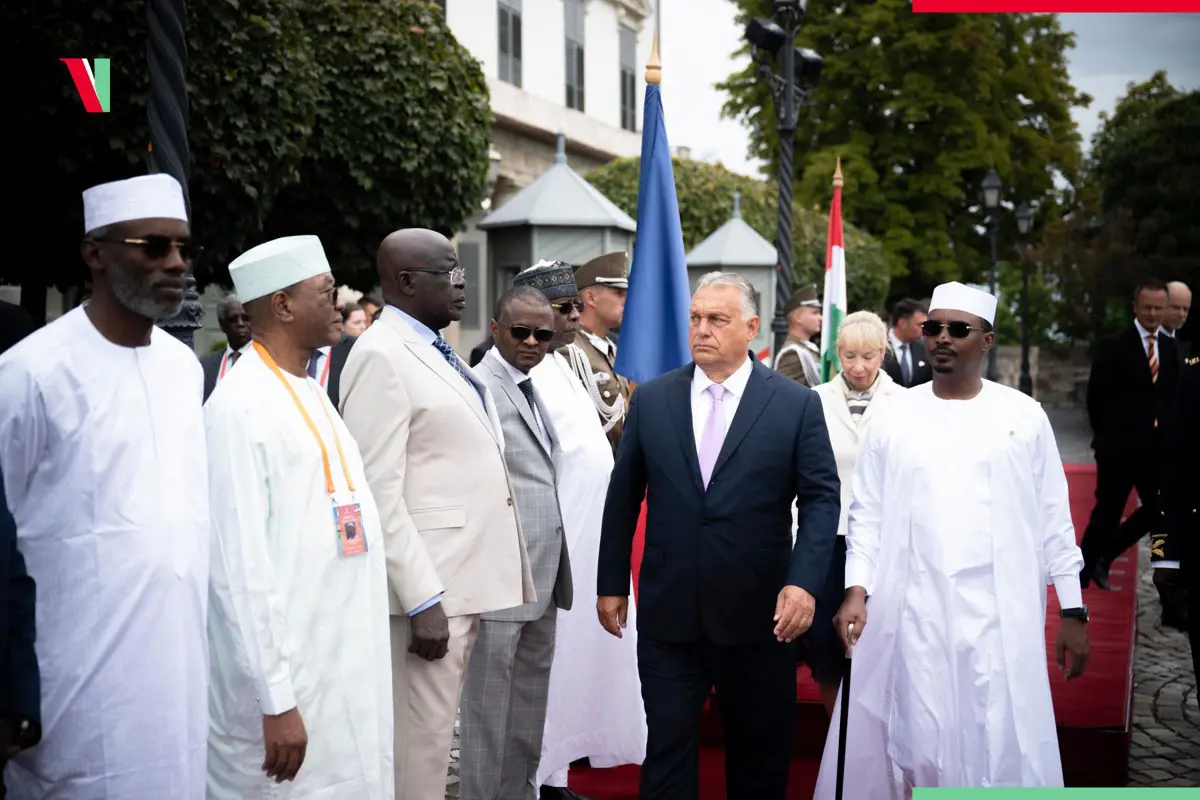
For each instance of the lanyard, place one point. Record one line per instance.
(329, 487)
(324, 381)
(224, 362)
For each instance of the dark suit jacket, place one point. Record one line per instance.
(1123, 403)
(20, 686)
(337, 359)
(211, 364)
(715, 561)
(15, 325)
(1181, 490)
(479, 350)
(922, 369)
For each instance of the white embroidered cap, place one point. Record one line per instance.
(276, 265)
(955, 296)
(157, 196)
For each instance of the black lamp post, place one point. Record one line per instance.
(1024, 226)
(167, 109)
(792, 73)
(991, 201)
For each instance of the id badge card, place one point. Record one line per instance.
(351, 536)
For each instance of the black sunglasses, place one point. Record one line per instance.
(522, 332)
(957, 330)
(565, 306)
(157, 247)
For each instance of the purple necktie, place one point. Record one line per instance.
(714, 433)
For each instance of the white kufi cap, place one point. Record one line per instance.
(955, 296)
(276, 265)
(157, 196)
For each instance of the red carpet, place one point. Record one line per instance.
(1093, 712)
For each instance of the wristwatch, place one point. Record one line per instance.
(1080, 613)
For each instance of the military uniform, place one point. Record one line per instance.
(597, 368)
(799, 359)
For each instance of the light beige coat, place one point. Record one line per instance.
(845, 435)
(435, 461)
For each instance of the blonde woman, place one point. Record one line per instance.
(860, 394)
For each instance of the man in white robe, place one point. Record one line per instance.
(102, 446)
(960, 519)
(594, 709)
(301, 666)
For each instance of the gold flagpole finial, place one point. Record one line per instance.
(837, 174)
(654, 66)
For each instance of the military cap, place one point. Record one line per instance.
(606, 270)
(555, 279)
(804, 296)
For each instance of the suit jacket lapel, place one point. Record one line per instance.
(428, 354)
(515, 395)
(842, 412)
(679, 398)
(758, 392)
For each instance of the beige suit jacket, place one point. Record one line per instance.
(434, 458)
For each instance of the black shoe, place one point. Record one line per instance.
(1099, 574)
(556, 793)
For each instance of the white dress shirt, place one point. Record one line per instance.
(519, 378)
(702, 401)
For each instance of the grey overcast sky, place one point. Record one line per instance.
(1111, 50)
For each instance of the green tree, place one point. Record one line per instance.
(705, 194)
(919, 107)
(1151, 168)
(373, 104)
(401, 137)
(252, 102)
(1138, 102)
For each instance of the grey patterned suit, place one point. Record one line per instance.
(503, 711)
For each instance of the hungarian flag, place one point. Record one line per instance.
(833, 307)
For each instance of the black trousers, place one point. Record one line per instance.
(756, 690)
(1106, 537)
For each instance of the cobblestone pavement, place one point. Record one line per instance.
(1166, 719)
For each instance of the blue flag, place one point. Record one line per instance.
(654, 331)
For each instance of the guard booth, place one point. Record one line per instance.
(736, 247)
(559, 217)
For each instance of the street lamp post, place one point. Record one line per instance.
(991, 201)
(167, 110)
(792, 73)
(1024, 226)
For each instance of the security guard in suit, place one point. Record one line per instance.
(1178, 538)
(602, 283)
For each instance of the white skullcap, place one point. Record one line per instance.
(539, 265)
(276, 265)
(157, 196)
(955, 296)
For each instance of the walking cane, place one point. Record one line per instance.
(845, 717)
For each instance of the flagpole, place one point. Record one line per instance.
(654, 65)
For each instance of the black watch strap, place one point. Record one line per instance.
(1080, 613)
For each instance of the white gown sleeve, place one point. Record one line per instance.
(243, 587)
(23, 429)
(1064, 560)
(864, 522)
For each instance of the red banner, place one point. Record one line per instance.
(1055, 6)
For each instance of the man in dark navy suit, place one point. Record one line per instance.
(724, 446)
(20, 687)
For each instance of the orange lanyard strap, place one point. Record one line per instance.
(325, 372)
(329, 486)
(224, 360)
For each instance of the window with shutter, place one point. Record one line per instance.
(509, 19)
(574, 53)
(628, 55)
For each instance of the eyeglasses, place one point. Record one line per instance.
(157, 247)
(457, 275)
(957, 330)
(523, 332)
(565, 306)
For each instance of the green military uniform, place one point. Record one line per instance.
(799, 359)
(609, 391)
